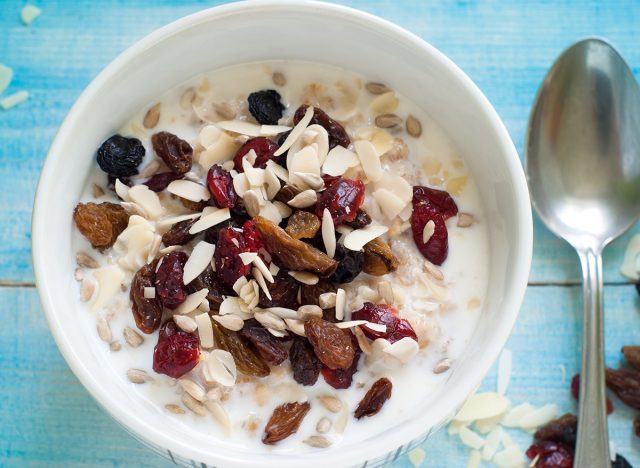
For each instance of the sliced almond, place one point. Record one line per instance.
(152, 117)
(296, 132)
(122, 190)
(247, 257)
(482, 406)
(283, 312)
(351, 323)
(192, 302)
(278, 170)
(185, 323)
(369, 159)
(272, 182)
(304, 199)
(403, 350)
(210, 217)
(270, 320)
(304, 277)
(327, 300)
(341, 299)
(397, 185)
(230, 321)
(390, 204)
(328, 233)
(274, 212)
(384, 103)
(314, 181)
(273, 130)
(240, 127)
(357, 239)
(170, 221)
(338, 160)
(251, 203)
(427, 232)
(205, 330)
(194, 405)
(198, 261)
(218, 412)
(308, 311)
(296, 326)
(189, 190)
(259, 263)
(151, 168)
(259, 277)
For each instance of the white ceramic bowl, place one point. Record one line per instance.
(254, 31)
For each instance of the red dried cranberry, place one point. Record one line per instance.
(177, 351)
(384, 314)
(551, 455)
(264, 149)
(159, 182)
(169, 285)
(229, 266)
(575, 391)
(436, 248)
(337, 134)
(439, 199)
(220, 185)
(254, 241)
(342, 378)
(342, 198)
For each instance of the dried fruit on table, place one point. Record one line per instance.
(229, 265)
(283, 290)
(374, 399)
(549, 454)
(220, 184)
(176, 153)
(361, 219)
(334, 349)
(350, 264)
(147, 312)
(170, 287)
(265, 106)
(439, 199)
(247, 360)
(626, 384)
(159, 182)
(342, 198)
(304, 362)
(302, 225)
(562, 430)
(575, 391)
(291, 253)
(436, 248)
(270, 348)
(100, 224)
(384, 314)
(284, 421)
(620, 462)
(264, 149)
(177, 351)
(342, 378)
(378, 258)
(120, 156)
(209, 280)
(632, 356)
(310, 294)
(179, 233)
(337, 134)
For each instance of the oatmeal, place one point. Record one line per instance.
(282, 255)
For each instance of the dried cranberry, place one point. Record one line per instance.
(397, 328)
(211, 234)
(264, 149)
(169, 285)
(337, 134)
(551, 455)
(575, 391)
(342, 378)
(350, 266)
(229, 265)
(436, 248)
(342, 198)
(220, 185)
(177, 352)
(439, 199)
(160, 181)
(120, 156)
(265, 106)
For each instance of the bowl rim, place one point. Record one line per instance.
(351, 454)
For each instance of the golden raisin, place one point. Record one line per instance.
(303, 225)
(247, 360)
(284, 421)
(378, 258)
(100, 224)
(332, 346)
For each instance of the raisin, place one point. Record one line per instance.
(210, 281)
(632, 356)
(286, 193)
(268, 346)
(284, 421)
(361, 219)
(265, 106)
(247, 360)
(350, 264)
(626, 384)
(120, 156)
(620, 462)
(264, 149)
(177, 351)
(220, 185)
(100, 224)
(176, 153)
(550, 454)
(331, 345)
(439, 199)
(302, 225)
(310, 294)
(282, 137)
(147, 313)
(291, 253)
(342, 198)
(337, 134)
(342, 378)
(374, 399)
(384, 314)
(562, 430)
(436, 248)
(283, 290)
(378, 258)
(229, 265)
(159, 182)
(179, 233)
(575, 391)
(304, 362)
(169, 285)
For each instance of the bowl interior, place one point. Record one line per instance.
(280, 30)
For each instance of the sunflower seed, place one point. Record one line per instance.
(138, 376)
(151, 168)
(324, 425)
(87, 288)
(465, 220)
(296, 326)
(387, 121)
(152, 117)
(386, 292)
(132, 337)
(97, 191)
(175, 409)
(115, 346)
(442, 366)
(332, 403)
(279, 79)
(192, 388)
(414, 127)
(104, 331)
(317, 441)
(327, 300)
(376, 88)
(83, 259)
(270, 320)
(194, 405)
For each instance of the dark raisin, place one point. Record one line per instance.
(179, 233)
(176, 153)
(632, 356)
(374, 399)
(220, 185)
(334, 349)
(304, 362)
(342, 378)
(384, 314)
(100, 224)
(562, 430)
(284, 421)
(286, 193)
(350, 264)
(283, 290)
(337, 134)
(361, 219)
(268, 346)
(177, 352)
(310, 293)
(264, 149)
(282, 137)
(169, 285)
(147, 313)
(575, 391)
(229, 265)
(120, 156)
(210, 281)
(265, 106)
(550, 454)
(626, 384)
(192, 205)
(247, 360)
(342, 198)
(159, 182)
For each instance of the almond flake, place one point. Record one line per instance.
(384, 103)
(470, 438)
(417, 457)
(232, 305)
(363, 342)
(385, 291)
(151, 168)
(277, 333)
(270, 320)
(272, 130)
(194, 405)
(428, 231)
(272, 211)
(192, 302)
(259, 277)
(29, 13)
(304, 199)
(314, 181)
(403, 350)
(305, 161)
(339, 160)
(514, 415)
(369, 159)
(283, 312)
(239, 284)
(328, 233)
(296, 132)
(251, 203)
(357, 239)
(351, 323)
(482, 406)
(255, 176)
(13, 100)
(221, 415)
(272, 182)
(185, 323)
(229, 321)
(509, 457)
(198, 261)
(307, 311)
(122, 191)
(390, 204)
(278, 170)
(491, 443)
(247, 258)
(474, 459)
(241, 184)
(396, 184)
(149, 292)
(170, 221)
(210, 217)
(109, 279)
(274, 269)
(189, 190)
(327, 300)
(259, 263)
(377, 327)
(296, 326)
(240, 127)
(205, 330)
(539, 417)
(220, 367)
(304, 277)
(341, 299)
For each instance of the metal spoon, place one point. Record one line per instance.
(583, 168)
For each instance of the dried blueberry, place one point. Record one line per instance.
(120, 156)
(265, 106)
(349, 266)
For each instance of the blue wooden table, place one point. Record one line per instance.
(48, 419)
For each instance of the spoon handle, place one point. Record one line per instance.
(592, 447)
